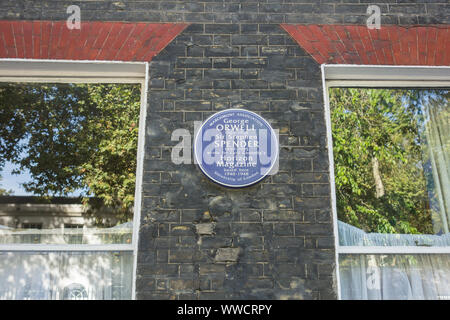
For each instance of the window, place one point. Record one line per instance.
(37, 226)
(32, 238)
(71, 119)
(72, 226)
(390, 165)
(74, 233)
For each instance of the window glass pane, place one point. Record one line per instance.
(393, 276)
(67, 162)
(392, 166)
(65, 275)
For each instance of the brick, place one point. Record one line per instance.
(279, 94)
(204, 228)
(275, 50)
(221, 51)
(183, 284)
(249, 84)
(221, 7)
(181, 230)
(251, 215)
(163, 215)
(310, 177)
(221, 63)
(302, 229)
(259, 284)
(283, 229)
(249, 39)
(407, 8)
(215, 242)
(250, 74)
(288, 269)
(150, 295)
(145, 284)
(193, 105)
(194, 63)
(221, 28)
(222, 84)
(248, 62)
(325, 242)
(270, 28)
(249, 28)
(221, 74)
(181, 256)
(285, 242)
(194, 28)
(249, 51)
(227, 255)
(157, 269)
(282, 215)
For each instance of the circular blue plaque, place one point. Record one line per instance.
(236, 148)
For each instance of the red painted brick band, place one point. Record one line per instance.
(119, 41)
(389, 45)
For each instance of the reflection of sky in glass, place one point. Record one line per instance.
(14, 182)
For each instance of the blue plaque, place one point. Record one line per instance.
(236, 148)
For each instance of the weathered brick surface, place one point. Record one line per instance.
(94, 41)
(275, 239)
(233, 11)
(265, 241)
(390, 45)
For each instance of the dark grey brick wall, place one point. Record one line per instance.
(272, 240)
(234, 11)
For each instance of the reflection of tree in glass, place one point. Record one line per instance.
(4, 192)
(381, 183)
(73, 137)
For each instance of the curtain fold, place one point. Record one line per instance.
(437, 150)
(65, 275)
(394, 277)
(409, 276)
(352, 236)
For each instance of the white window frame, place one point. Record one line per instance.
(73, 71)
(372, 76)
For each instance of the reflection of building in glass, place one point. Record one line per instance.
(62, 220)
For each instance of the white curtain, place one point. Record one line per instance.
(65, 275)
(437, 151)
(395, 277)
(352, 236)
(418, 276)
